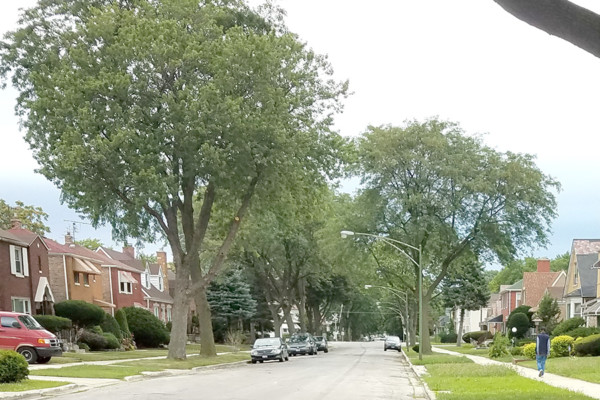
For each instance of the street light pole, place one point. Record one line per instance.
(391, 242)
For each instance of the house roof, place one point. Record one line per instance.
(114, 254)
(586, 246)
(7, 236)
(517, 286)
(588, 276)
(535, 285)
(556, 292)
(154, 294)
(155, 269)
(25, 235)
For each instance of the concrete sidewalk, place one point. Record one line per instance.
(575, 385)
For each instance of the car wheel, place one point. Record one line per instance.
(287, 358)
(261, 361)
(385, 349)
(326, 350)
(29, 354)
(281, 358)
(253, 361)
(43, 360)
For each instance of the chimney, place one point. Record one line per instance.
(543, 265)
(68, 238)
(161, 259)
(16, 223)
(129, 250)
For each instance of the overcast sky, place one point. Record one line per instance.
(467, 61)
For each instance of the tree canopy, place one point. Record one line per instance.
(31, 217)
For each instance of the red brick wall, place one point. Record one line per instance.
(10, 285)
(123, 299)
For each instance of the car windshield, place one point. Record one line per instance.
(319, 338)
(29, 322)
(266, 342)
(298, 339)
(393, 339)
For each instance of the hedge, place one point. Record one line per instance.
(479, 336)
(582, 332)
(53, 323)
(561, 346)
(588, 346)
(83, 314)
(112, 342)
(568, 325)
(448, 337)
(13, 367)
(121, 319)
(94, 340)
(111, 325)
(147, 330)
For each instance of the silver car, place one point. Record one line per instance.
(392, 342)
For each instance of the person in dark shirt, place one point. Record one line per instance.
(542, 350)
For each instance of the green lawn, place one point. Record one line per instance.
(584, 368)
(129, 368)
(436, 358)
(29, 384)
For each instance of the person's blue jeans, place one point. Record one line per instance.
(541, 362)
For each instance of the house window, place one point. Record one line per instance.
(160, 283)
(518, 299)
(76, 278)
(146, 280)
(86, 279)
(576, 278)
(125, 287)
(169, 317)
(577, 312)
(18, 261)
(156, 311)
(40, 264)
(21, 304)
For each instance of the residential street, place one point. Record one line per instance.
(348, 371)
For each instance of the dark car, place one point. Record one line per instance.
(265, 349)
(302, 343)
(322, 343)
(392, 342)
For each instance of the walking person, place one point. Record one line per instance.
(542, 350)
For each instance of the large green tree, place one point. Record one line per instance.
(31, 217)
(445, 192)
(140, 110)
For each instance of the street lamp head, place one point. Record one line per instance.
(368, 286)
(345, 234)
(514, 329)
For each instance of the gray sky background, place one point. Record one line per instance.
(466, 61)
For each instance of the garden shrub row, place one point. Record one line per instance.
(588, 346)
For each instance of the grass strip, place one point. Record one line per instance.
(29, 384)
(436, 358)
(584, 368)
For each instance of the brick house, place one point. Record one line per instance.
(581, 287)
(535, 284)
(24, 264)
(510, 298)
(153, 279)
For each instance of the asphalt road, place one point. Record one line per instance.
(348, 371)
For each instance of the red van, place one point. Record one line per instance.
(22, 333)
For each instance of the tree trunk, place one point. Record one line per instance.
(207, 340)
(287, 315)
(318, 327)
(460, 327)
(424, 338)
(252, 332)
(301, 304)
(180, 313)
(413, 323)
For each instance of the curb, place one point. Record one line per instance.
(428, 392)
(40, 392)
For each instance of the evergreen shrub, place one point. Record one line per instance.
(93, 340)
(81, 313)
(147, 330)
(13, 367)
(448, 337)
(111, 325)
(582, 332)
(568, 325)
(112, 343)
(560, 346)
(52, 323)
(121, 318)
(588, 346)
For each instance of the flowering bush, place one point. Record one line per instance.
(529, 350)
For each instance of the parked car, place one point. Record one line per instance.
(392, 342)
(302, 343)
(22, 333)
(265, 349)
(322, 344)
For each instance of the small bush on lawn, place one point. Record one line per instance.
(112, 343)
(499, 346)
(53, 323)
(94, 340)
(415, 348)
(478, 336)
(582, 332)
(147, 330)
(13, 367)
(448, 337)
(589, 346)
(111, 325)
(560, 346)
(529, 350)
(83, 346)
(519, 321)
(516, 351)
(81, 313)
(568, 325)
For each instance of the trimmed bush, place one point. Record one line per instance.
(81, 313)
(416, 348)
(147, 330)
(96, 329)
(83, 346)
(53, 323)
(111, 325)
(93, 340)
(112, 342)
(516, 351)
(13, 367)
(448, 337)
(568, 325)
(519, 321)
(582, 332)
(588, 346)
(121, 318)
(529, 350)
(560, 346)
(479, 336)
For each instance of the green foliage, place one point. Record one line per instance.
(147, 330)
(583, 332)
(516, 351)
(96, 329)
(83, 346)
(448, 337)
(567, 325)
(110, 325)
(549, 312)
(478, 336)
(560, 262)
(81, 313)
(415, 348)
(53, 323)
(529, 350)
(230, 297)
(13, 367)
(112, 343)
(95, 341)
(519, 321)
(523, 342)
(31, 217)
(499, 346)
(560, 346)
(121, 319)
(92, 244)
(588, 346)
